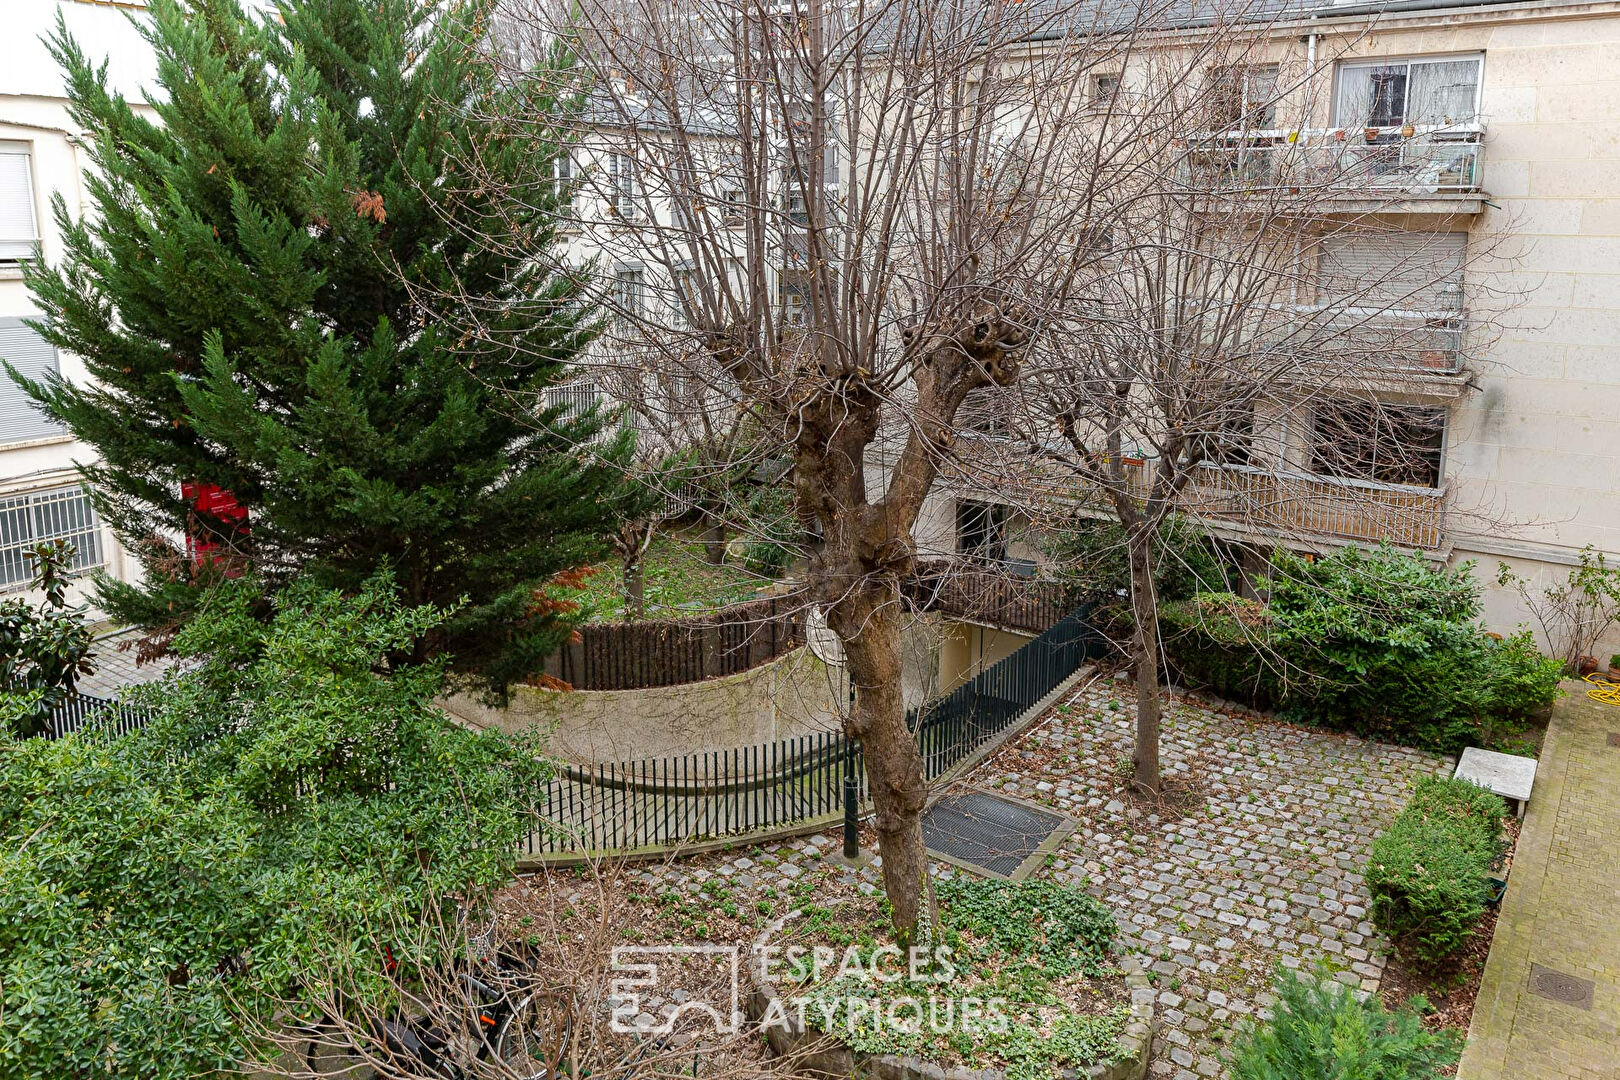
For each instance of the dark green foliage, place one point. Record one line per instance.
(260, 296)
(1058, 928)
(776, 532)
(44, 649)
(1428, 870)
(286, 804)
(1093, 562)
(1320, 1031)
(1376, 642)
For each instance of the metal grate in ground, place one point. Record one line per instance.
(991, 834)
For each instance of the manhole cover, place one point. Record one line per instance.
(989, 833)
(1556, 985)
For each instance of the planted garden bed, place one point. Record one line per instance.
(1024, 983)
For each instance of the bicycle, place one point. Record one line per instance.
(528, 1030)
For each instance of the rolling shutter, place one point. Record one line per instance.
(34, 357)
(1406, 271)
(19, 231)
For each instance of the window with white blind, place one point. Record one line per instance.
(34, 357)
(19, 226)
(36, 517)
(1424, 92)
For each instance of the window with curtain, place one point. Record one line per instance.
(1423, 93)
(19, 228)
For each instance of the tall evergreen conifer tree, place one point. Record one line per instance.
(259, 296)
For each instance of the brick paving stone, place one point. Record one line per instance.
(1265, 872)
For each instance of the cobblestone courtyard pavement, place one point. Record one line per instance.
(1264, 869)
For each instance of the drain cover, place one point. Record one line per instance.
(991, 834)
(1547, 983)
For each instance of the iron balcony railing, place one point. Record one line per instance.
(1371, 160)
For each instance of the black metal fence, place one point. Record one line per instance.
(667, 802)
(661, 803)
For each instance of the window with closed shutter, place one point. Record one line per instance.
(34, 357)
(19, 227)
(1403, 271)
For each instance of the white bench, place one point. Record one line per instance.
(1506, 775)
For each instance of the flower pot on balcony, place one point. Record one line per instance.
(1370, 134)
(1585, 665)
(1408, 131)
(1435, 359)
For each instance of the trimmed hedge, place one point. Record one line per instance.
(1428, 872)
(1321, 1030)
(1375, 642)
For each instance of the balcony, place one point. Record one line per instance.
(1404, 170)
(1259, 502)
(1289, 503)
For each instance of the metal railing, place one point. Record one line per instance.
(86, 712)
(661, 803)
(1429, 161)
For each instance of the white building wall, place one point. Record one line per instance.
(33, 113)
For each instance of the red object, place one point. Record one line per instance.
(219, 514)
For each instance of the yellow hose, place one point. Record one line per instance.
(1603, 690)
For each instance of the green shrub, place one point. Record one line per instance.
(1320, 1030)
(293, 792)
(1375, 642)
(1427, 872)
(1522, 682)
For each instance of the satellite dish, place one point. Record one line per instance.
(822, 641)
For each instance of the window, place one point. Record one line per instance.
(1424, 93)
(629, 295)
(34, 357)
(1378, 442)
(38, 516)
(981, 530)
(733, 195)
(683, 301)
(793, 299)
(574, 400)
(1402, 271)
(19, 229)
(794, 196)
(564, 174)
(1104, 90)
(622, 186)
(1232, 441)
(1244, 96)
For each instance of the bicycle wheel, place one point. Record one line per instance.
(329, 1054)
(535, 1037)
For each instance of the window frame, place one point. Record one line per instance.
(1340, 67)
(33, 503)
(1439, 450)
(25, 150)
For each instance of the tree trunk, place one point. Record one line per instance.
(1145, 653)
(635, 587)
(714, 540)
(894, 766)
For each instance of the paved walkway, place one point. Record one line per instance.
(115, 668)
(1560, 924)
